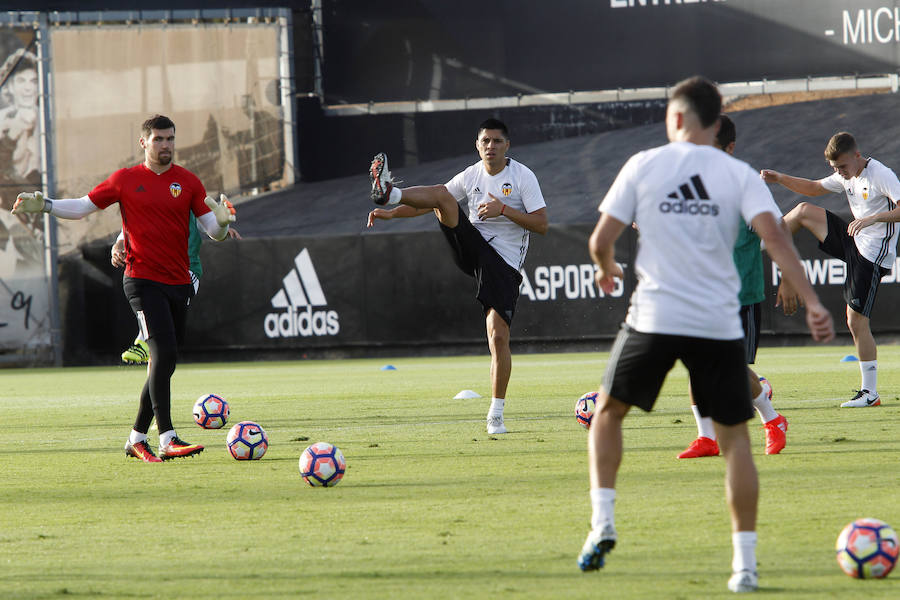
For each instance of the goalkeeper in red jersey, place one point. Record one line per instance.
(156, 198)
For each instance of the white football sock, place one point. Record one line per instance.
(763, 406)
(602, 503)
(136, 436)
(395, 195)
(704, 424)
(166, 437)
(496, 409)
(869, 371)
(744, 543)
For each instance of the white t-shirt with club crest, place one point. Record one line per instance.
(687, 201)
(517, 187)
(874, 190)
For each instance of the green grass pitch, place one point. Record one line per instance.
(431, 506)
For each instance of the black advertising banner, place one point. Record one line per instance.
(404, 290)
(357, 293)
(433, 49)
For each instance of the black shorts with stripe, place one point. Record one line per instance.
(863, 276)
(496, 283)
(639, 363)
(751, 316)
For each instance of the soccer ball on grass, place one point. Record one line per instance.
(322, 464)
(867, 548)
(247, 441)
(211, 411)
(584, 409)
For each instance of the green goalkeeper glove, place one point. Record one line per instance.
(28, 202)
(223, 210)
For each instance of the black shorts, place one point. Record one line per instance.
(496, 283)
(639, 362)
(161, 309)
(863, 276)
(750, 319)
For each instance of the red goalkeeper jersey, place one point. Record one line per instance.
(155, 213)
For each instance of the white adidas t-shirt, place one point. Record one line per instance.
(874, 190)
(517, 187)
(687, 201)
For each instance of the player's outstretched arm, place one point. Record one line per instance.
(807, 187)
(66, 208)
(787, 297)
(782, 251)
(401, 211)
(602, 249)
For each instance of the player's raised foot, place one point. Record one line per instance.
(142, 451)
(380, 176)
(862, 398)
(702, 446)
(775, 434)
(137, 353)
(598, 543)
(178, 448)
(743, 581)
(495, 424)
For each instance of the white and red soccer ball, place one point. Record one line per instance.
(211, 411)
(322, 464)
(584, 409)
(867, 548)
(247, 441)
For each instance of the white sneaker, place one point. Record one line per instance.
(598, 543)
(495, 424)
(743, 581)
(861, 399)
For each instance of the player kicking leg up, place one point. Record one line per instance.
(490, 244)
(868, 244)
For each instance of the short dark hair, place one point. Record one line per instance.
(702, 96)
(492, 124)
(840, 143)
(156, 122)
(727, 133)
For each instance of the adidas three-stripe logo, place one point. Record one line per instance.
(300, 305)
(691, 198)
(687, 191)
(301, 285)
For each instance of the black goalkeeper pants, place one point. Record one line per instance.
(161, 311)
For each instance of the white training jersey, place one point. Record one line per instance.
(517, 187)
(687, 201)
(874, 190)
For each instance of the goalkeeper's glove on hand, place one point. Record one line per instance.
(223, 210)
(28, 202)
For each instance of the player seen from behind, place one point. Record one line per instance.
(687, 199)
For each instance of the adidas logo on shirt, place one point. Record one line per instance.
(300, 294)
(690, 199)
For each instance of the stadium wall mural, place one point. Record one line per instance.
(25, 327)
